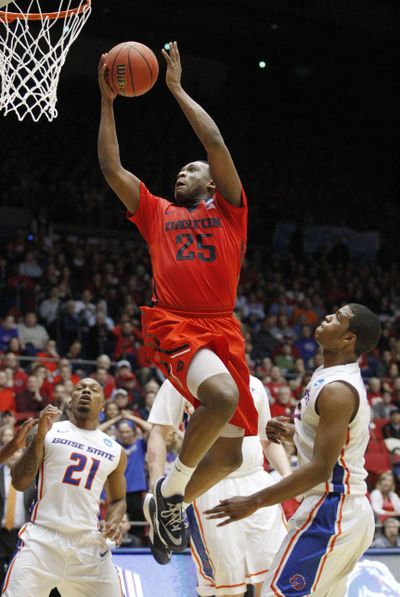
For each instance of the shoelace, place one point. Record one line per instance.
(173, 517)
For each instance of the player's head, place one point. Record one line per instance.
(353, 329)
(194, 182)
(87, 399)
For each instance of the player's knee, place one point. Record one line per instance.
(230, 459)
(220, 396)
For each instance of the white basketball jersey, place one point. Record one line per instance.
(348, 475)
(75, 466)
(169, 406)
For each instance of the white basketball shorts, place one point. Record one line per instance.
(78, 564)
(326, 536)
(229, 558)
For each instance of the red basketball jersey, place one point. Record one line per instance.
(196, 253)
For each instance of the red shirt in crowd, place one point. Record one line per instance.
(7, 400)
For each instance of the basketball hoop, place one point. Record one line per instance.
(33, 48)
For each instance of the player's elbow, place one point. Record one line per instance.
(18, 483)
(322, 471)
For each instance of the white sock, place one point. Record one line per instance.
(176, 481)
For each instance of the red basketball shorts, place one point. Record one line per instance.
(173, 339)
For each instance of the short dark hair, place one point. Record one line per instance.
(366, 326)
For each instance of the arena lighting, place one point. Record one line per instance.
(262, 64)
(166, 46)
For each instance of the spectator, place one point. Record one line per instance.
(392, 429)
(126, 379)
(49, 308)
(31, 400)
(15, 346)
(99, 338)
(49, 352)
(285, 360)
(32, 335)
(306, 344)
(121, 398)
(14, 512)
(8, 330)
(17, 376)
(30, 267)
(390, 536)
(86, 309)
(382, 408)
(127, 539)
(374, 389)
(274, 381)
(104, 361)
(6, 434)
(264, 341)
(384, 501)
(106, 381)
(136, 482)
(283, 404)
(126, 338)
(111, 413)
(69, 326)
(7, 394)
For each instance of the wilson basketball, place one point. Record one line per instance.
(132, 69)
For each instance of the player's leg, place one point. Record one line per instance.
(211, 383)
(37, 565)
(327, 535)
(223, 457)
(89, 569)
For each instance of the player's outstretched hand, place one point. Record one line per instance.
(174, 68)
(19, 440)
(47, 417)
(232, 509)
(106, 91)
(279, 430)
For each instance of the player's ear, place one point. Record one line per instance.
(349, 340)
(211, 188)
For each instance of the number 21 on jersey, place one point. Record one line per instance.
(71, 475)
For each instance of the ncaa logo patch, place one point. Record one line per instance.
(107, 441)
(318, 382)
(297, 582)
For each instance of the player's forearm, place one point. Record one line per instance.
(25, 470)
(7, 451)
(201, 122)
(276, 456)
(299, 482)
(107, 145)
(116, 511)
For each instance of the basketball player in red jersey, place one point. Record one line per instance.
(196, 245)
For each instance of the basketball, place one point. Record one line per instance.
(132, 69)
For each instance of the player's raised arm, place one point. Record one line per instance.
(25, 470)
(337, 404)
(222, 168)
(124, 184)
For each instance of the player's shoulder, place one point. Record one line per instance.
(62, 427)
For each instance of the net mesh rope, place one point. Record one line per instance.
(32, 54)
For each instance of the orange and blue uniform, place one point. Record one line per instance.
(196, 256)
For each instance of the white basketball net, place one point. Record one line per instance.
(33, 51)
